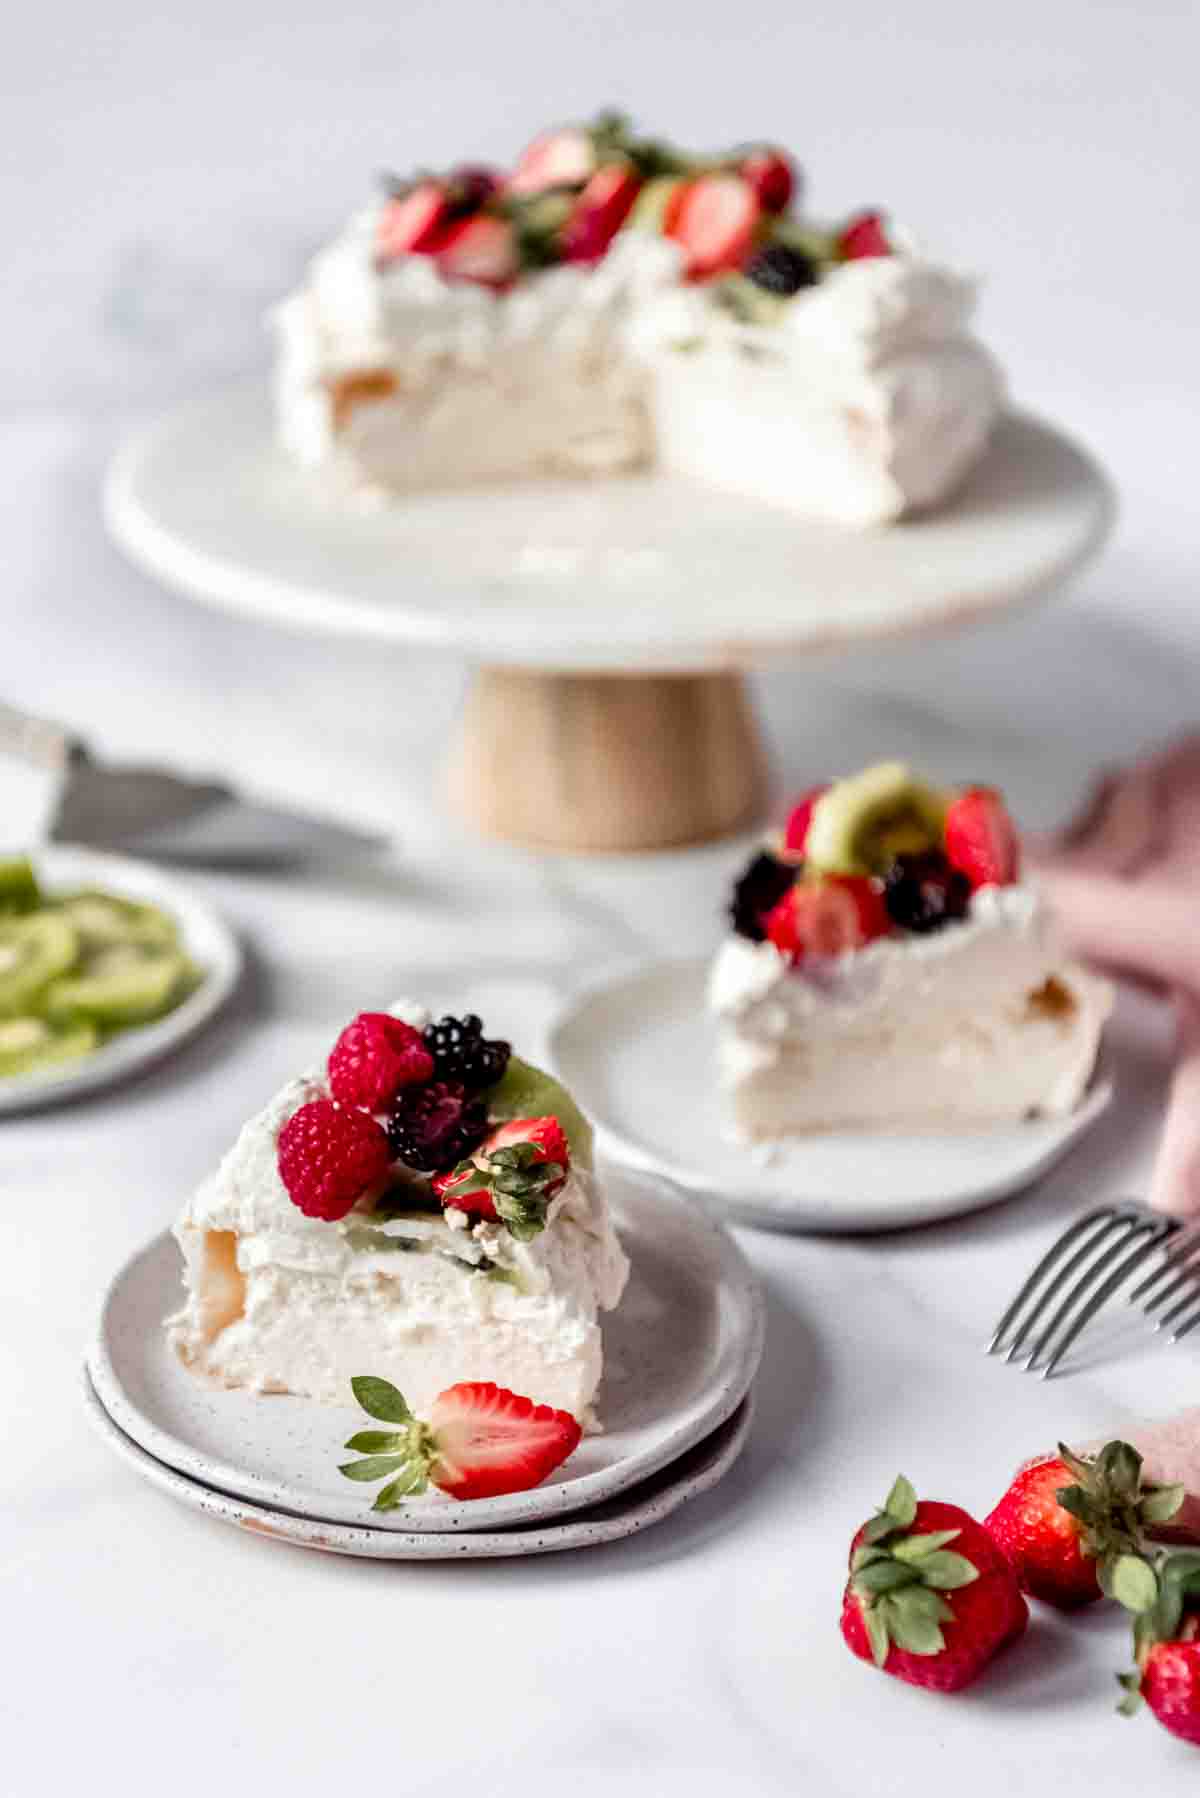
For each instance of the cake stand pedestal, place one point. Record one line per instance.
(610, 622)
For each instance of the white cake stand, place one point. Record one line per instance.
(610, 623)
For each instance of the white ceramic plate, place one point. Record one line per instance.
(206, 937)
(641, 573)
(639, 1053)
(696, 1471)
(680, 1353)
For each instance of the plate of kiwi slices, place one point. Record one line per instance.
(105, 964)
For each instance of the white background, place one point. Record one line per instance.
(166, 170)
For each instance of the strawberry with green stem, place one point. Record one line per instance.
(512, 1176)
(1165, 1600)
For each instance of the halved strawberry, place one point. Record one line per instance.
(795, 833)
(715, 220)
(865, 235)
(512, 1176)
(771, 175)
(981, 838)
(489, 1441)
(599, 212)
(562, 158)
(480, 248)
(411, 224)
(828, 917)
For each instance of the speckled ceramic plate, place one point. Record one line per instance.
(206, 937)
(637, 1509)
(680, 1352)
(621, 1048)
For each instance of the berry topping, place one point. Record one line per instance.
(469, 187)
(1165, 1601)
(770, 174)
(480, 1441)
(923, 892)
(758, 890)
(512, 1177)
(930, 1598)
(555, 159)
(981, 838)
(828, 917)
(328, 1158)
(461, 1051)
(865, 235)
(599, 212)
(412, 223)
(715, 221)
(374, 1057)
(795, 834)
(781, 269)
(479, 248)
(433, 1127)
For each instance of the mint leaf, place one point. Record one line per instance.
(377, 1442)
(379, 1398)
(373, 1468)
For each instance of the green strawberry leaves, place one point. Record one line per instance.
(379, 1398)
(1114, 1507)
(407, 1452)
(518, 1183)
(899, 1578)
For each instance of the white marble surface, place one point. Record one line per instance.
(172, 168)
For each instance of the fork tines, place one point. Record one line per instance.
(1089, 1262)
(1180, 1271)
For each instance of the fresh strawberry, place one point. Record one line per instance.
(555, 159)
(771, 175)
(480, 248)
(795, 834)
(480, 1441)
(865, 235)
(412, 223)
(930, 1598)
(599, 212)
(1166, 1640)
(1064, 1521)
(828, 917)
(512, 1176)
(981, 838)
(715, 220)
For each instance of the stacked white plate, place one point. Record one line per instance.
(681, 1353)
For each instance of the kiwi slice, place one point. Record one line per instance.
(121, 985)
(34, 950)
(19, 891)
(527, 1092)
(862, 824)
(650, 208)
(29, 1044)
(103, 921)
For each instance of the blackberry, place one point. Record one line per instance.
(434, 1127)
(760, 888)
(922, 892)
(782, 269)
(461, 1052)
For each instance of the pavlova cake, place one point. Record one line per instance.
(613, 304)
(888, 969)
(424, 1211)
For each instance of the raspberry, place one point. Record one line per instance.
(328, 1158)
(374, 1057)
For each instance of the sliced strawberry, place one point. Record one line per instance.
(828, 917)
(981, 839)
(795, 834)
(771, 175)
(512, 1176)
(715, 220)
(865, 235)
(412, 224)
(480, 249)
(488, 1441)
(599, 212)
(555, 159)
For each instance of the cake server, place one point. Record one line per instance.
(53, 789)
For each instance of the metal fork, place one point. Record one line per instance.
(1089, 1262)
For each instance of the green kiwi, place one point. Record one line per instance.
(103, 921)
(122, 985)
(19, 890)
(34, 950)
(650, 208)
(30, 1044)
(527, 1092)
(862, 824)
